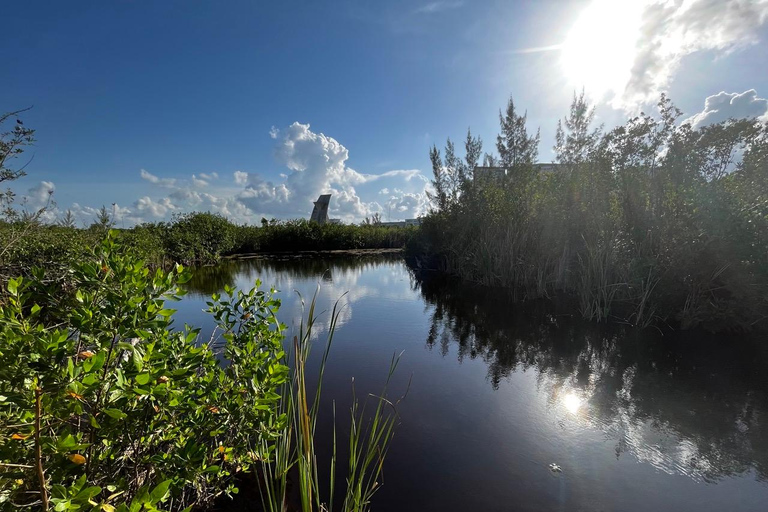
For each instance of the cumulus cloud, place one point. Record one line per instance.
(199, 182)
(39, 196)
(730, 105)
(671, 30)
(241, 178)
(400, 205)
(146, 206)
(87, 215)
(315, 164)
(318, 165)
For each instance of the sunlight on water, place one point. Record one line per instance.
(600, 414)
(572, 402)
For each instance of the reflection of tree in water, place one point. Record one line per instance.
(212, 279)
(688, 403)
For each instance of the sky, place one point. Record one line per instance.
(252, 109)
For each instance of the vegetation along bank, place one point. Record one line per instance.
(652, 223)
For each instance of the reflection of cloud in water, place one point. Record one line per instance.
(343, 279)
(683, 404)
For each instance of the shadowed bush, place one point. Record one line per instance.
(650, 223)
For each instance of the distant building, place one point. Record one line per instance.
(483, 175)
(320, 211)
(401, 223)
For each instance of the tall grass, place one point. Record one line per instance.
(294, 460)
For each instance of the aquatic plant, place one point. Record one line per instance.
(294, 460)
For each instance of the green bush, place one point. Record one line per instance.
(652, 222)
(105, 406)
(302, 235)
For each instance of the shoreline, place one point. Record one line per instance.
(306, 254)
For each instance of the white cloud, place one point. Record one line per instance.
(87, 214)
(315, 164)
(404, 205)
(241, 178)
(274, 132)
(39, 196)
(671, 30)
(199, 182)
(146, 206)
(627, 51)
(318, 165)
(163, 182)
(730, 105)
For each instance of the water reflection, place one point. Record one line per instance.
(503, 393)
(212, 279)
(572, 403)
(689, 404)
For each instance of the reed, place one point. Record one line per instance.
(294, 459)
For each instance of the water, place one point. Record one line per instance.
(500, 391)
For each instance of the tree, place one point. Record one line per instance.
(439, 196)
(473, 147)
(12, 144)
(452, 170)
(490, 160)
(103, 219)
(68, 220)
(514, 145)
(577, 141)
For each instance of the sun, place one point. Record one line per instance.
(600, 48)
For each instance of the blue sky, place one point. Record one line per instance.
(253, 109)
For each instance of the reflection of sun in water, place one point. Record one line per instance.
(600, 48)
(572, 403)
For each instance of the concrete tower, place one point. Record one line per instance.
(320, 211)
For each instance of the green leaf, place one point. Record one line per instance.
(137, 360)
(98, 361)
(142, 379)
(87, 493)
(66, 443)
(212, 469)
(160, 492)
(114, 413)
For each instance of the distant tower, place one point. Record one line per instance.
(320, 211)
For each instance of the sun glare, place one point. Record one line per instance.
(572, 403)
(600, 48)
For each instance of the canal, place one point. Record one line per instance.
(514, 407)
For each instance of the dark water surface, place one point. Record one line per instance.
(500, 391)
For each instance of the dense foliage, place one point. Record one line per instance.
(195, 238)
(105, 406)
(652, 222)
(302, 235)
